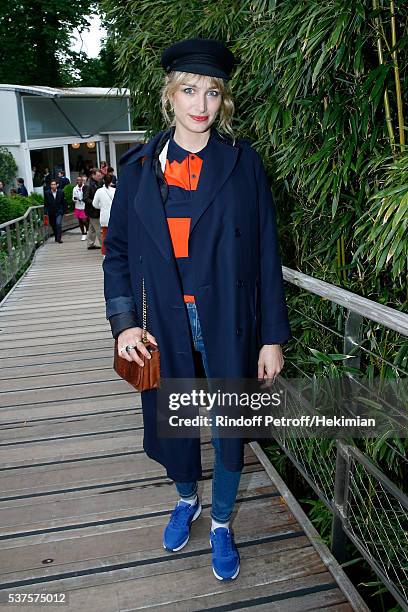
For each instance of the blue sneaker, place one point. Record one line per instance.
(177, 532)
(225, 557)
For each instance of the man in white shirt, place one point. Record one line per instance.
(79, 210)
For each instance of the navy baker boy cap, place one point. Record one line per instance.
(199, 56)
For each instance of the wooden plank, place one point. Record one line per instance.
(67, 357)
(93, 405)
(93, 472)
(56, 325)
(148, 558)
(54, 394)
(68, 428)
(80, 507)
(43, 451)
(7, 338)
(137, 593)
(27, 372)
(50, 381)
(67, 347)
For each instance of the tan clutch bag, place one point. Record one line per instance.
(144, 377)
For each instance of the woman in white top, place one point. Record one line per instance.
(103, 200)
(79, 210)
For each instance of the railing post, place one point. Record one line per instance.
(32, 234)
(351, 346)
(26, 247)
(338, 535)
(11, 266)
(352, 338)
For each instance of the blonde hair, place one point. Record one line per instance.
(173, 79)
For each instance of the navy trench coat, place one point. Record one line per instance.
(239, 292)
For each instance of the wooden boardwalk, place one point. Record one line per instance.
(82, 509)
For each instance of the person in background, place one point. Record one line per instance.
(89, 190)
(62, 179)
(21, 188)
(111, 171)
(55, 206)
(103, 200)
(13, 192)
(80, 166)
(2, 192)
(104, 167)
(84, 179)
(79, 210)
(47, 179)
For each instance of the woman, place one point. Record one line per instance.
(104, 167)
(103, 200)
(79, 207)
(194, 217)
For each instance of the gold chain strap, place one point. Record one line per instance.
(144, 335)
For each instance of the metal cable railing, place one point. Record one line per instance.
(367, 507)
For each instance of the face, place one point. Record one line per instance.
(79, 181)
(195, 98)
(98, 176)
(53, 185)
(1, 185)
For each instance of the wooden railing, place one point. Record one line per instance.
(366, 506)
(19, 238)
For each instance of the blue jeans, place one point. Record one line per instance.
(225, 483)
(56, 224)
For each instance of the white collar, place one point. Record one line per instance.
(163, 156)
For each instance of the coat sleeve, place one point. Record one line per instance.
(120, 307)
(274, 325)
(96, 201)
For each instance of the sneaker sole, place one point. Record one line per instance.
(234, 575)
(196, 515)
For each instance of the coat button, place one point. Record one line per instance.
(240, 283)
(193, 175)
(237, 232)
(192, 157)
(239, 331)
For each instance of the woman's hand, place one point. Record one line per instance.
(270, 361)
(133, 336)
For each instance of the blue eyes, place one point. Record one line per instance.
(216, 93)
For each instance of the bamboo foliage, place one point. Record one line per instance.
(320, 90)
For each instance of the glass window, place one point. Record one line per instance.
(88, 115)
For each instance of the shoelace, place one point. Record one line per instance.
(223, 543)
(179, 516)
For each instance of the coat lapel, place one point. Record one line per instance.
(218, 164)
(149, 207)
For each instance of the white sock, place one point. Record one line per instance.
(215, 524)
(189, 501)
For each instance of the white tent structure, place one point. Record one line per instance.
(64, 129)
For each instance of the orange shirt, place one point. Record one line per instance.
(182, 174)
